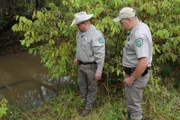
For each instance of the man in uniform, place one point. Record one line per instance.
(137, 58)
(90, 54)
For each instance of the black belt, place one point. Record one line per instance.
(129, 71)
(86, 63)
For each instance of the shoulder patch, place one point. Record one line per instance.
(101, 40)
(139, 42)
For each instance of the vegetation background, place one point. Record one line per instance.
(44, 28)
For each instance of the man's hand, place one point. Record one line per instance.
(98, 76)
(75, 61)
(141, 66)
(128, 81)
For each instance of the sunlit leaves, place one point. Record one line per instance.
(98, 11)
(3, 107)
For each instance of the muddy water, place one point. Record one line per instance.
(24, 81)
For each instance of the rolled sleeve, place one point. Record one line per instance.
(141, 48)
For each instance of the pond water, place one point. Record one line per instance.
(24, 81)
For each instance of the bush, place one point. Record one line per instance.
(50, 35)
(3, 107)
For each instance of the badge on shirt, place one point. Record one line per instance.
(139, 42)
(101, 40)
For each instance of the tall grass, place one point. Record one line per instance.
(110, 105)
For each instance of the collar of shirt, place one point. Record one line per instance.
(91, 28)
(134, 28)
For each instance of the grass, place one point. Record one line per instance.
(158, 104)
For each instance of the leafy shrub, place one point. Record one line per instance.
(3, 107)
(50, 35)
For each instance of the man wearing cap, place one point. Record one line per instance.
(137, 58)
(90, 54)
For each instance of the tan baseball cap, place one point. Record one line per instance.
(126, 12)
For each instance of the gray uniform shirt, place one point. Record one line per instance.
(138, 45)
(91, 47)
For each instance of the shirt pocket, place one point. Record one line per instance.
(87, 47)
(129, 51)
(128, 48)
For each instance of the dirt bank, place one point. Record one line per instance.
(10, 43)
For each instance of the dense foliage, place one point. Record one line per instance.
(49, 32)
(9, 8)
